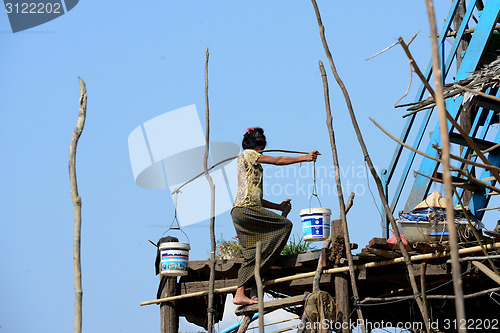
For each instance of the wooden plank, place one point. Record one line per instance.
(196, 286)
(384, 253)
(488, 103)
(220, 265)
(272, 305)
(460, 182)
(381, 243)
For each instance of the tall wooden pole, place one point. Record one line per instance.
(343, 216)
(373, 171)
(341, 280)
(77, 205)
(443, 129)
(211, 281)
(168, 310)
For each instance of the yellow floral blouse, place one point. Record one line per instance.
(249, 180)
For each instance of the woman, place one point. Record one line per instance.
(252, 221)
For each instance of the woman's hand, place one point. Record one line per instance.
(284, 204)
(311, 157)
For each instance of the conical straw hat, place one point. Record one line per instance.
(433, 200)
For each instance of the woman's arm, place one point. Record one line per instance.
(272, 205)
(286, 160)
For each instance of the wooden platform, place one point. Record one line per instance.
(387, 281)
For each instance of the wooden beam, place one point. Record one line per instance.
(272, 305)
(459, 140)
(489, 273)
(196, 286)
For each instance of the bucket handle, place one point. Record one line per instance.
(314, 192)
(176, 221)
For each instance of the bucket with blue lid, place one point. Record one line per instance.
(315, 223)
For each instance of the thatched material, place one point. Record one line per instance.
(480, 80)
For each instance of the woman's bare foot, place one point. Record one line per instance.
(241, 299)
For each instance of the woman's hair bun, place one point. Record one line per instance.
(253, 137)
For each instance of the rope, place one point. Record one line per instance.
(176, 220)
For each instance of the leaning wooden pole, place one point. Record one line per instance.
(340, 195)
(445, 141)
(77, 205)
(211, 281)
(260, 288)
(368, 160)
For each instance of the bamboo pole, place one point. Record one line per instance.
(260, 289)
(489, 273)
(399, 260)
(77, 205)
(445, 141)
(423, 287)
(211, 283)
(276, 322)
(340, 195)
(368, 160)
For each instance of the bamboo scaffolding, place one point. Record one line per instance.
(211, 282)
(77, 205)
(340, 194)
(405, 298)
(445, 140)
(399, 260)
(368, 160)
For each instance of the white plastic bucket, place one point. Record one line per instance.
(315, 223)
(174, 258)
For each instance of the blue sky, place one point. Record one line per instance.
(142, 59)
